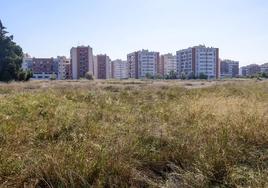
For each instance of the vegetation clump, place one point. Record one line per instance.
(11, 59)
(138, 136)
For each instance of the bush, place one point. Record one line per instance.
(53, 77)
(89, 76)
(203, 76)
(172, 75)
(183, 76)
(24, 75)
(149, 76)
(159, 77)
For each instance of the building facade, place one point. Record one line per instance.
(229, 68)
(169, 63)
(198, 60)
(264, 68)
(27, 62)
(133, 65)
(143, 63)
(64, 66)
(251, 70)
(119, 69)
(44, 68)
(103, 67)
(81, 61)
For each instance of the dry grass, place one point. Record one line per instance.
(134, 134)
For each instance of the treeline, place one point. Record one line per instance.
(11, 56)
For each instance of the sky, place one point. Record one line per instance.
(48, 28)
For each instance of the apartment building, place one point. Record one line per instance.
(161, 66)
(229, 68)
(81, 61)
(168, 64)
(103, 67)
(199, 60)
(143, 63)
(264, 68)
(251, 70)
(44, 68)
(119, 69)
(64, 66)
(133, 65)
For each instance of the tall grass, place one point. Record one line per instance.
(134, 136)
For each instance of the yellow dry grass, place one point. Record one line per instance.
(134, 134)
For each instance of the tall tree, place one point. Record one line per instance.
(11, 56)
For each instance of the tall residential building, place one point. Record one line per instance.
(81, 61)
(103, 67)
(44, 68)
(143, 63)
(64, 66)
(244, 71)
(251, 70)
(229, 68)
(133, 65)
(169, 63)
(264, 68)
(161, 66)
(199, 60)
(119, 69)
(95, 70)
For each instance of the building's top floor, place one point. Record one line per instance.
(229, 61)
(118, 60)
(143, 51)
(199, 47)
(251, 65)
(82, 46)
(168, 55)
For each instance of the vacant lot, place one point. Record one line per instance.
(134, 134)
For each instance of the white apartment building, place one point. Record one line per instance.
(119, 69)
(199, 60)
(63, 67)
(81, 61)
(143, 63)
(147, 62)
(170, 63)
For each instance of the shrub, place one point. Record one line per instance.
(24, 75)
(89, 76)
(53, 77)
(203, 76)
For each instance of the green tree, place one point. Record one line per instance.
(203, 76)
(264, 75)
(159, 77)
(183, 76)
(10, 57)
(149, 76)
(172, 75)
(24, 75)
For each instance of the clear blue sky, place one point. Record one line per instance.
(47, 28)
